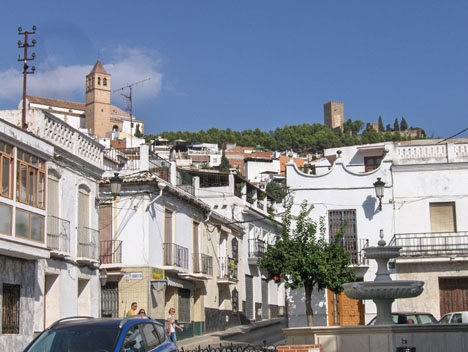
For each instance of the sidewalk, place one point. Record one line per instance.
(216, 338)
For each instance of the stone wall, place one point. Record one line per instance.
(19, 272)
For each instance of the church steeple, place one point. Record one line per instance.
(98, 109)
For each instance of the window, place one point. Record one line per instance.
(372, 163)
(5, 215)
(29, 225)
(133, 340)
(184, 305)
(10, 309)
(6, 161)
(344, 222)
(30, 179)
(235, 301)
(443, 217)
(151, 337)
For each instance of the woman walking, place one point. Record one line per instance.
(171, 326)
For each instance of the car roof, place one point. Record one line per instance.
(409, 313)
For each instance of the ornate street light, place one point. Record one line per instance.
(115, 184)
(379, 190)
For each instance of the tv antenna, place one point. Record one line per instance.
(129, 97)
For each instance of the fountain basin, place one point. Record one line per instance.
(382, 252)
(383, 289)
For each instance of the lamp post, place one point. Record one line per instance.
(25, 45)
(379, 191)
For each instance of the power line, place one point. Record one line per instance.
(456, 134)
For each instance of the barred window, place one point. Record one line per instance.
(10, 309)
(343, 222)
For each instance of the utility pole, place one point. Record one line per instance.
(25, 45)
(129, 108)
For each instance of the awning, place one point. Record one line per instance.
(179, 283)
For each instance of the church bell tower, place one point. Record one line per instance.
(98, 108)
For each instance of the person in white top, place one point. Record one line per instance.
(171, 326)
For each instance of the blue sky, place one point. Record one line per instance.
(249, 64)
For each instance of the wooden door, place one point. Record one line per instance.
(344, 311)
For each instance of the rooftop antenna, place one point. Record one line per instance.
(129, 107)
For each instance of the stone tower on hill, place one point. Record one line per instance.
(333, 114)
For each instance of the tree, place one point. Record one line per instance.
(304, 259)
(224, 165)
(276, 190)
(381, 125)
(403, 124)
(396, 125)
(138, 133)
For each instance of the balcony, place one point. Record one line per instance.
(257, 250)
(87, 245)
(110, 252)
(58, 236)
(175, 257)
(227, 271)
(356, 255)
(431, 244)
(203, 264)
(139, 158)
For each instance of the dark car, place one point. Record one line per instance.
(138, 333)
(410, 318)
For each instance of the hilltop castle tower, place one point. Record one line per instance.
(98, 98)
(333, 114)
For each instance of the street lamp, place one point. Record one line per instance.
(379, 190)
(116, 184)
(26, 69)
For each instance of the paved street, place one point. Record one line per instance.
(268, 332)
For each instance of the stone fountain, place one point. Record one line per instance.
(383, 290)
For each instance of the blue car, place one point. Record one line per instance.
(137, 333)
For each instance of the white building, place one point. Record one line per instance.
(49, 235)
(425, 197)
(246, 205)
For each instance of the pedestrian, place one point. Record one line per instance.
(141, 312)
(171, 326)
(132, 310)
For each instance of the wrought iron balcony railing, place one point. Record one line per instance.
(110, 252)
(202, 264)
(88, 243)
(228, 268)
(257, 248)
(58, 234)
(175, 255)
(431, 244)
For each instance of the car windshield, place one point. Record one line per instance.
(76, 339)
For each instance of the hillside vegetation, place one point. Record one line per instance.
(305, 138)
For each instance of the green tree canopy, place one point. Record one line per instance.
(381, 125)
(224, 165)
(403, 124)
(306, 259)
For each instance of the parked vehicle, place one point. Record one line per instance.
(455, 318)
(86, 334)
(410, 318)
